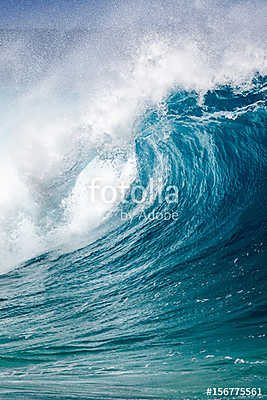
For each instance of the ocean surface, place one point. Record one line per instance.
(159, 293)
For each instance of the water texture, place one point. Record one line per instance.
(130, 299)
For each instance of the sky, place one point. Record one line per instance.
(81, 13)
(49, 13)
(243, 16)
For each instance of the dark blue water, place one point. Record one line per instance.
(156, 308)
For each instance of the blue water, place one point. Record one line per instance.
(157, 292)
(156, 309)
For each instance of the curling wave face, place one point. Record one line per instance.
(128, 298)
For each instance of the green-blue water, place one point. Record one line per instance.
(107, 301)
(156, 309)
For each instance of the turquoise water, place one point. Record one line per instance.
(158, 294)
(156, 309)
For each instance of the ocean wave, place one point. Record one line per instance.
(56, 147)
(132, 206)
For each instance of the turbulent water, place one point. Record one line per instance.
(159, 295)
